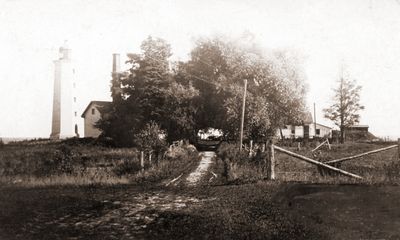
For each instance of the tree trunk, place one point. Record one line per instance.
(342, 134)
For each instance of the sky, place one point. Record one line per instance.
(362, 35)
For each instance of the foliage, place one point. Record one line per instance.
(240, 165)
(205, 91)
(82, 164)
(346, 105)
(151, 137)
(148, 94)
(275, 87)
(178, 160)
(127, 166)
(179, 118)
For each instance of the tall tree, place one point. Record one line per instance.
(276, 89)
(204, 92)
(150, 92)
(346, 105)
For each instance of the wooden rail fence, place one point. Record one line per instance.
(327, 165)
(361, 154)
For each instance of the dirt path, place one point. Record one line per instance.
(201, 170)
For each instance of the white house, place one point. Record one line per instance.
(91, 115)
(309, 130)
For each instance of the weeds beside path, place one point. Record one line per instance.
(205, 162)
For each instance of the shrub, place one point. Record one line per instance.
(151, 137)
(126, 167)
(177, 160)
(240, 165)
(63, 161)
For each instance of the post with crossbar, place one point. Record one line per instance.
(271, 160)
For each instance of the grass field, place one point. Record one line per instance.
(300, 204)
(379, 168)
(46, 163)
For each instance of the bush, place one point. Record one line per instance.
(240, 165)
(177, 160)
(127, 166)
(63, 161)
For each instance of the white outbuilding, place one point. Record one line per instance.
(91, 115)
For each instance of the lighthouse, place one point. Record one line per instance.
(65, 115)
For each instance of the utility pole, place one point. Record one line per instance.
(242, 121)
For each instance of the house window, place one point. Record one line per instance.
(293, 131)
(93, 111)
(317, 131)
(76, 114)
(74, 99)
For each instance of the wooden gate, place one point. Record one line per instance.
(330, 165)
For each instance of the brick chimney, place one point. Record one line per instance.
(116, 65)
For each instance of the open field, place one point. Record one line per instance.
(258, 211)
(295, 206)
(45, 163)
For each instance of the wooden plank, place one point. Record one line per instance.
(361, 154)
(312, 161)
(319, 146)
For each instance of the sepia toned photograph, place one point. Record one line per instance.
(189, 119)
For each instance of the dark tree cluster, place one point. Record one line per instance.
(180, 98)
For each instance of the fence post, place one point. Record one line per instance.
(251, 148)
(329, 145)
(150, 158)
(142, 160)
(271, 161)
(398, 148)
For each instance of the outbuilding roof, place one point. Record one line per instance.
(98, 103)
(323, 125)
(358, 126)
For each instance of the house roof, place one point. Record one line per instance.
(322, 125)
(358, 126)
(313, 124)
(98, 103)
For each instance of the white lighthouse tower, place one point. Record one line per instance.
(65, 115)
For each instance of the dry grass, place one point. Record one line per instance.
(379, 168)
(64, 179)
(58, 163)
